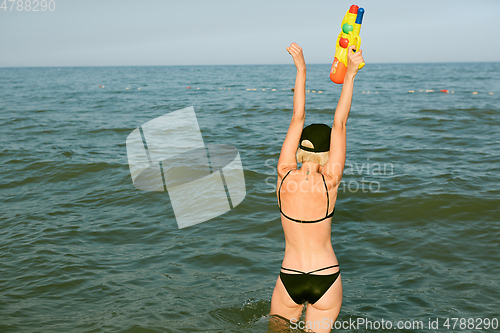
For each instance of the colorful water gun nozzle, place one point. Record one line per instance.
(351, 26)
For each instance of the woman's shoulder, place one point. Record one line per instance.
(283, 171)
(329, 181)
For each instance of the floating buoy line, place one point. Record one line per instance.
(317, 91)
(446, 91)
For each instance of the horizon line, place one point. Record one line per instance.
(207, 65)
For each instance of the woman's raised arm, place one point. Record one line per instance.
(336, 160)
(287, 159)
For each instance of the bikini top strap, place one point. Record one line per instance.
(279, 191)
(327, 196)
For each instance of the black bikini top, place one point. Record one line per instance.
(302, 221)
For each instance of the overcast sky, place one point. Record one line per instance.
(203, 32)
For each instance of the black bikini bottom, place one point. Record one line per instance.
(307, 287)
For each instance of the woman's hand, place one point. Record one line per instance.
(353, 60)
(298, 58)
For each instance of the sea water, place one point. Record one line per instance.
(416, 227)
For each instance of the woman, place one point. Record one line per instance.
(306, 197)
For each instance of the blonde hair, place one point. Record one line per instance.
(308, 156)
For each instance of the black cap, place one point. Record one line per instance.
(319, 135)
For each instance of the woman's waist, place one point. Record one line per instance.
(309, 258)
(308, 242)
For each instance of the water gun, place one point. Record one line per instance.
(351, 25)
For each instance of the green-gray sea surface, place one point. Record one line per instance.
(416, 227)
